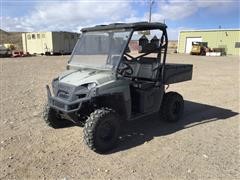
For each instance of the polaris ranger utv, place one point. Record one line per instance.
(112, 78)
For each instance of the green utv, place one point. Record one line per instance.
(114, 77)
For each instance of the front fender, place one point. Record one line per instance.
(119, 92)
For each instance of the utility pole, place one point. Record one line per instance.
(151, 2)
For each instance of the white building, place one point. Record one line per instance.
(49, 42)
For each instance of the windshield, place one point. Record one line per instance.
(100, 49)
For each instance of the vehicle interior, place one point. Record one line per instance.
(141, 64)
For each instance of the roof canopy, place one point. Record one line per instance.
(138, 26)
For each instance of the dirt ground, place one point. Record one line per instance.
(204, 144)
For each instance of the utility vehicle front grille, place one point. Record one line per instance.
(58, 104)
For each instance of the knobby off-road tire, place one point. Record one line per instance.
(53, 119)
(101, 130)
(172, 107)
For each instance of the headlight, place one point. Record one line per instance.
(91, 85)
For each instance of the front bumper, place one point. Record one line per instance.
(64, 106)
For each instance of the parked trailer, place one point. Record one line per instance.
(49, 43)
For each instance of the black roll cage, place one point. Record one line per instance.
(161, 55)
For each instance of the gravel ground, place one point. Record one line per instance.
(204, 144)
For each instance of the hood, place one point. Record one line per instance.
(77, 77)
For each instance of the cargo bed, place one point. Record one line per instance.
(175, 73)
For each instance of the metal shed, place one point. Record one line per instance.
(229, 39)
(49, 42)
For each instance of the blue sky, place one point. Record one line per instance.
(56, 15)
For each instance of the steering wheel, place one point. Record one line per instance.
(127, 70)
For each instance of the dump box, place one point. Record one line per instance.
(175, 73)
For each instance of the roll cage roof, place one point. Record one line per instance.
(138, 26)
